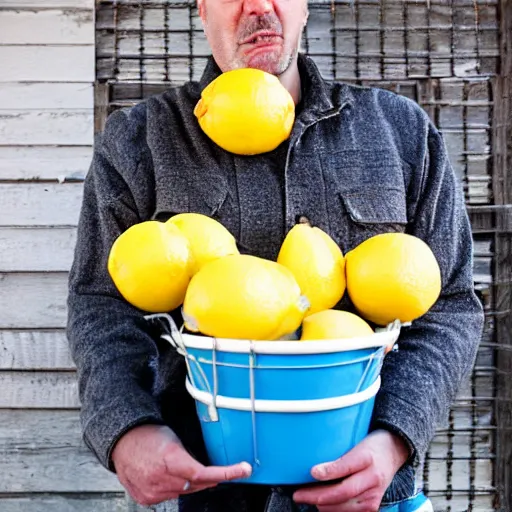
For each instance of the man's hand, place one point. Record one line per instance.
(366, 470)
(153, 466)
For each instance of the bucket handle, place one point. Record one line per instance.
(396, 324)
(377, 354)
(174, 337)
(252, 390)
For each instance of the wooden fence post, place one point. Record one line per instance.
(502, 189)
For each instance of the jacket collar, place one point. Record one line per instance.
(320, 98)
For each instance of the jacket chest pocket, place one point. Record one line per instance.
(359, 215)
(215, 201)
(177, 201)
(368, 194)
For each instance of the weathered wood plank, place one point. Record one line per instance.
(47, 4)
(459, 502)
(459, 474)
(38, 390)
(47, 63)
(44, 163)
(83, 502)
(42, 451)
(154, 44)
(178, 69)
(69, 27)
(47, 127)
(33, 301)
(36, 249)
(502, 190)
(40, 204)
(34, 350)
(127, 20)
(23, 96)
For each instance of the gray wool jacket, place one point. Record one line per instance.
(360, 161)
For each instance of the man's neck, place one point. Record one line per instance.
(291, 81)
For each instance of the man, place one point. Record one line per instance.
(359, 162)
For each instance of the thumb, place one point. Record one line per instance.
(183, 465)
(223, 473)
(354, 461)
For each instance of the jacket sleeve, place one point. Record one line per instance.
(110, 341)
(436, 353)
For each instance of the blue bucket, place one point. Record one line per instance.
(283, 406)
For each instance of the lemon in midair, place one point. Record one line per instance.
(246, 111)
(334, 324)
(244, 297)
(151, 265)
(208, 238)
(317, 263)
(392, 276)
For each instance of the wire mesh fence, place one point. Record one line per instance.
(444, 54)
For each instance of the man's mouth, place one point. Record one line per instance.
(263, 38)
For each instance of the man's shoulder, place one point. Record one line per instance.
(396, 117)
(128, 128)
(135, 116)
(390, 103)
(123, 135)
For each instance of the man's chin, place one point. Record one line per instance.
(269, 63)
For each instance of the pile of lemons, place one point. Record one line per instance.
(193, 261)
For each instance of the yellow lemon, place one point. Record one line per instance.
(317, 263)
(246, 111)
(244, 297)
(150, 264)
(334, 324)
(392, 276)
(208, 238)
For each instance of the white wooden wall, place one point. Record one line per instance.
(46, 133)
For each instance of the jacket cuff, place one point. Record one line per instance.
(403, 419)
(110, 423)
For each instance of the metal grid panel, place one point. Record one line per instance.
(443, 54)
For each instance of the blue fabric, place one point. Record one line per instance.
(417, 503)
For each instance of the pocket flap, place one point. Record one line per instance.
(184, 197)
(376, 206)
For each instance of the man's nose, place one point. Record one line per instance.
(258, 7)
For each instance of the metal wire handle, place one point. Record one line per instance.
(174, 336)
(252, 380)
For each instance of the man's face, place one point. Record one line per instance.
(262, 34)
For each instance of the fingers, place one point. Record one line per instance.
(155, 485)
(221, 473)
(349, 489)
(142, 495)
(171, 487)
(153, 466)
(357, 459)
(179, 486)
(334, 494)
(168, 488)
(173, 473)
(188, 468)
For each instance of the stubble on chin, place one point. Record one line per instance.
(272, 62)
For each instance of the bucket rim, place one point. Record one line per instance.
(289, 347)
(284, 406)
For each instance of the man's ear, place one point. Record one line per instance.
(306, 15)
(200, 8)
